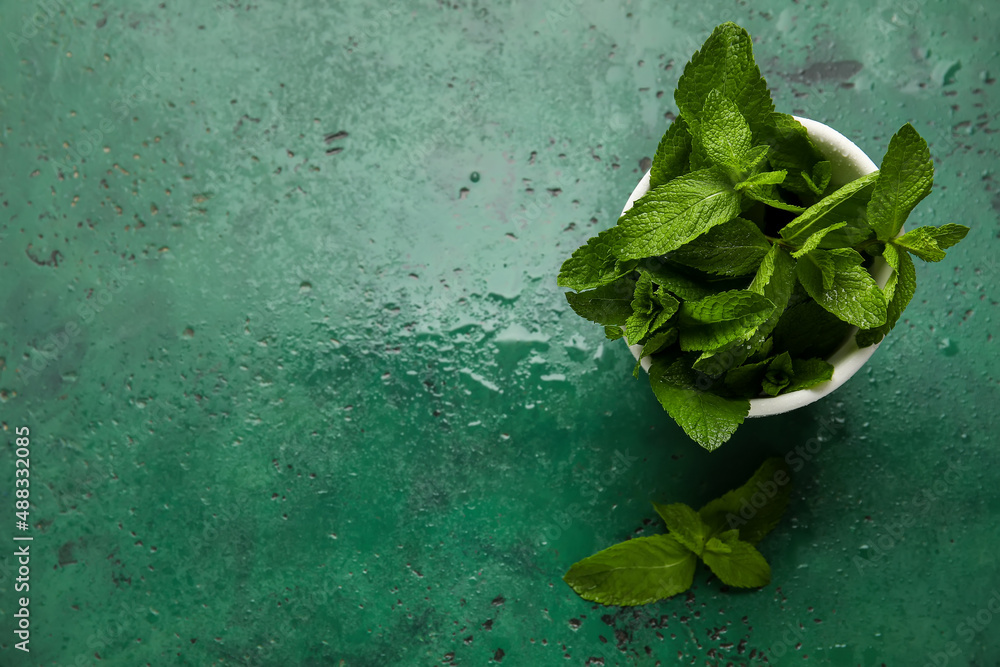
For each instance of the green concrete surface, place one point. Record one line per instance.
(278, 300)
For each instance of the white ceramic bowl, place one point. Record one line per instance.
(848, 163)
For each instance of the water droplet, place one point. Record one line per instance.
(305, 286)
(474, 177)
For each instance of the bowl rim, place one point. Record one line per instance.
(848, 163)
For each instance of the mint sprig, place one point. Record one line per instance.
(747, 264)
(722, 534)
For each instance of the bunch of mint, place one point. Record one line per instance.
(723, 534)
(743, 268)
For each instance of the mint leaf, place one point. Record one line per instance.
(593, 265)
(792, 151)
(820, 178)
(763, 178)
(639, 571)
(907, 174)
(768, 194)
(725, 62)
(723, 135)
(732, 249)
(808, 330)
(778, 376)
(672, 155)
(672, 279)
(609, 304)
(812, 219)
(929, 243)
(613, 333)
(719, 319)
(675, 213)
(899, 290)
(745, 380)
(808, 373)
(737, 564)
(650, 310)
(754, 508)
(656, 342)
(816, 238)
(851, 293)
(685, 525)
(708, 419)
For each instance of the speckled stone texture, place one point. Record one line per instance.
(302, 388)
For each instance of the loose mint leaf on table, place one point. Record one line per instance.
(639, 571)
(672, 155)
(814, 219)
(725, 63)
(723, 135)
(755, 508)
(647, 569)
(907, 174)
(676, 213)
(898, 291)
(734, 248)
(685, 525)
(593, 265)
(851, 293)
(735, 562)
(608, 304)
(808, 330)
(710, 323)
(929, 243)
(708, 419)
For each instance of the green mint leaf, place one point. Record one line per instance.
(725, 63)
(675, 213)
(754, 508)
(899, 290)
(685, 525)
(768, 194)
(672, 279)
(672, 155)
(739, 564)
(808, 330)
(656, 343)
(853, 231)
(708, 419)
(593, 265)
(613, 333)
(734, 248)
(808, 373)
(710, 323)
(778, 375)
(793, 151)
(907, 174)
(608, 304)
(816, 238)
(636, 572)
(851, 294)
(746, 380)
(820, 179)
(723, 135)
(649, 310)
(763, 178)
(813, 218)
(929, 243)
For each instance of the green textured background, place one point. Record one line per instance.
(299, 408)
